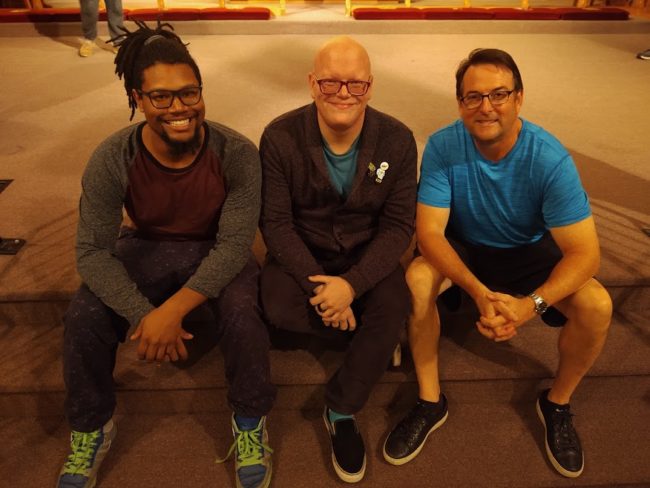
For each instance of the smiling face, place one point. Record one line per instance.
(176, 130)
(493, 128)
(341, 59)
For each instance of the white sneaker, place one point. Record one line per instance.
(86, 48)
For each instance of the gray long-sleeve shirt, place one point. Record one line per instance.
(104, 188)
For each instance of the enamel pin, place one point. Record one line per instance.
(381, 172)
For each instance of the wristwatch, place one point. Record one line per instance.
(540, 303)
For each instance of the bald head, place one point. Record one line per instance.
(342, 53)
(341, 64)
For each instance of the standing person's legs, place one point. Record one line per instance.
(89, 16)
(115, 17)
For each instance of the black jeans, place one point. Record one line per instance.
(159, 268)
(381, 315)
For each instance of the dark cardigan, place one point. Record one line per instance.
(309, 228)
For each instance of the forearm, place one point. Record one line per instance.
(183, 302)
(570, 274)
(436, 249)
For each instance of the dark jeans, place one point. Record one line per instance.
(160, 268)
(381, 315)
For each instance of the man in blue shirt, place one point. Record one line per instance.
(502, 214)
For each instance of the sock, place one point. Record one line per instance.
(334, 416)
(247, 423)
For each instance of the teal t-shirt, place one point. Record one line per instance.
(342, 167)
(509, 203)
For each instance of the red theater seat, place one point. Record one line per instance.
(14, 15)
(525, 14)
(55, 15)
(247, 13)
(604, 13)
(469, 13)
(46, 15)
(400, 13)
(166, 14)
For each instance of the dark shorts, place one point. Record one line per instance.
(517, 271)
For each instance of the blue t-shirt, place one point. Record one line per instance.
(342, 167)
(505, 204)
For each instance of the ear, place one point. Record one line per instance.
(519, 100)
(372, 84)
(138, 99)
(313, 86)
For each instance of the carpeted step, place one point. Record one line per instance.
(492, 439)
(31, 381)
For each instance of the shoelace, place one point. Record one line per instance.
(415, 415)
(250, 448)
(84, 445)
(567, 438)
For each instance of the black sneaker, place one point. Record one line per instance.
(644, 54)
(348, 451)
(407, 439)
(561, 439)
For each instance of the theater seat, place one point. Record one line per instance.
(247, 13)
(469, 13)
(400, 13)
(171, 14)
(525, 14)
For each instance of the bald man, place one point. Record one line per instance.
(338, 209)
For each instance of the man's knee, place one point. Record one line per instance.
(591, 305)
(423, 282)
(89, 320)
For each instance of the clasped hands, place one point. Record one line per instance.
(161, 336)
(332, 300)
(502, 314)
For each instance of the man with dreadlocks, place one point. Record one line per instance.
(191, 191)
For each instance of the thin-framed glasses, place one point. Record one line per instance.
(190, 95)
(332, 87)
(496, 97)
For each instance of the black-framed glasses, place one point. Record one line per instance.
(332, 87)
(190, 95)
(496, 97)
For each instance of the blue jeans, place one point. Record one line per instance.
(90, 14)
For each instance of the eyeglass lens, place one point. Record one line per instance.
(497, 97)
(164, 98)
(354, 87)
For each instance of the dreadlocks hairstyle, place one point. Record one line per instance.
(145, 47)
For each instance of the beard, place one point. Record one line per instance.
(180, 148)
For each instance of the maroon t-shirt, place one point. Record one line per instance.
(175, 204)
